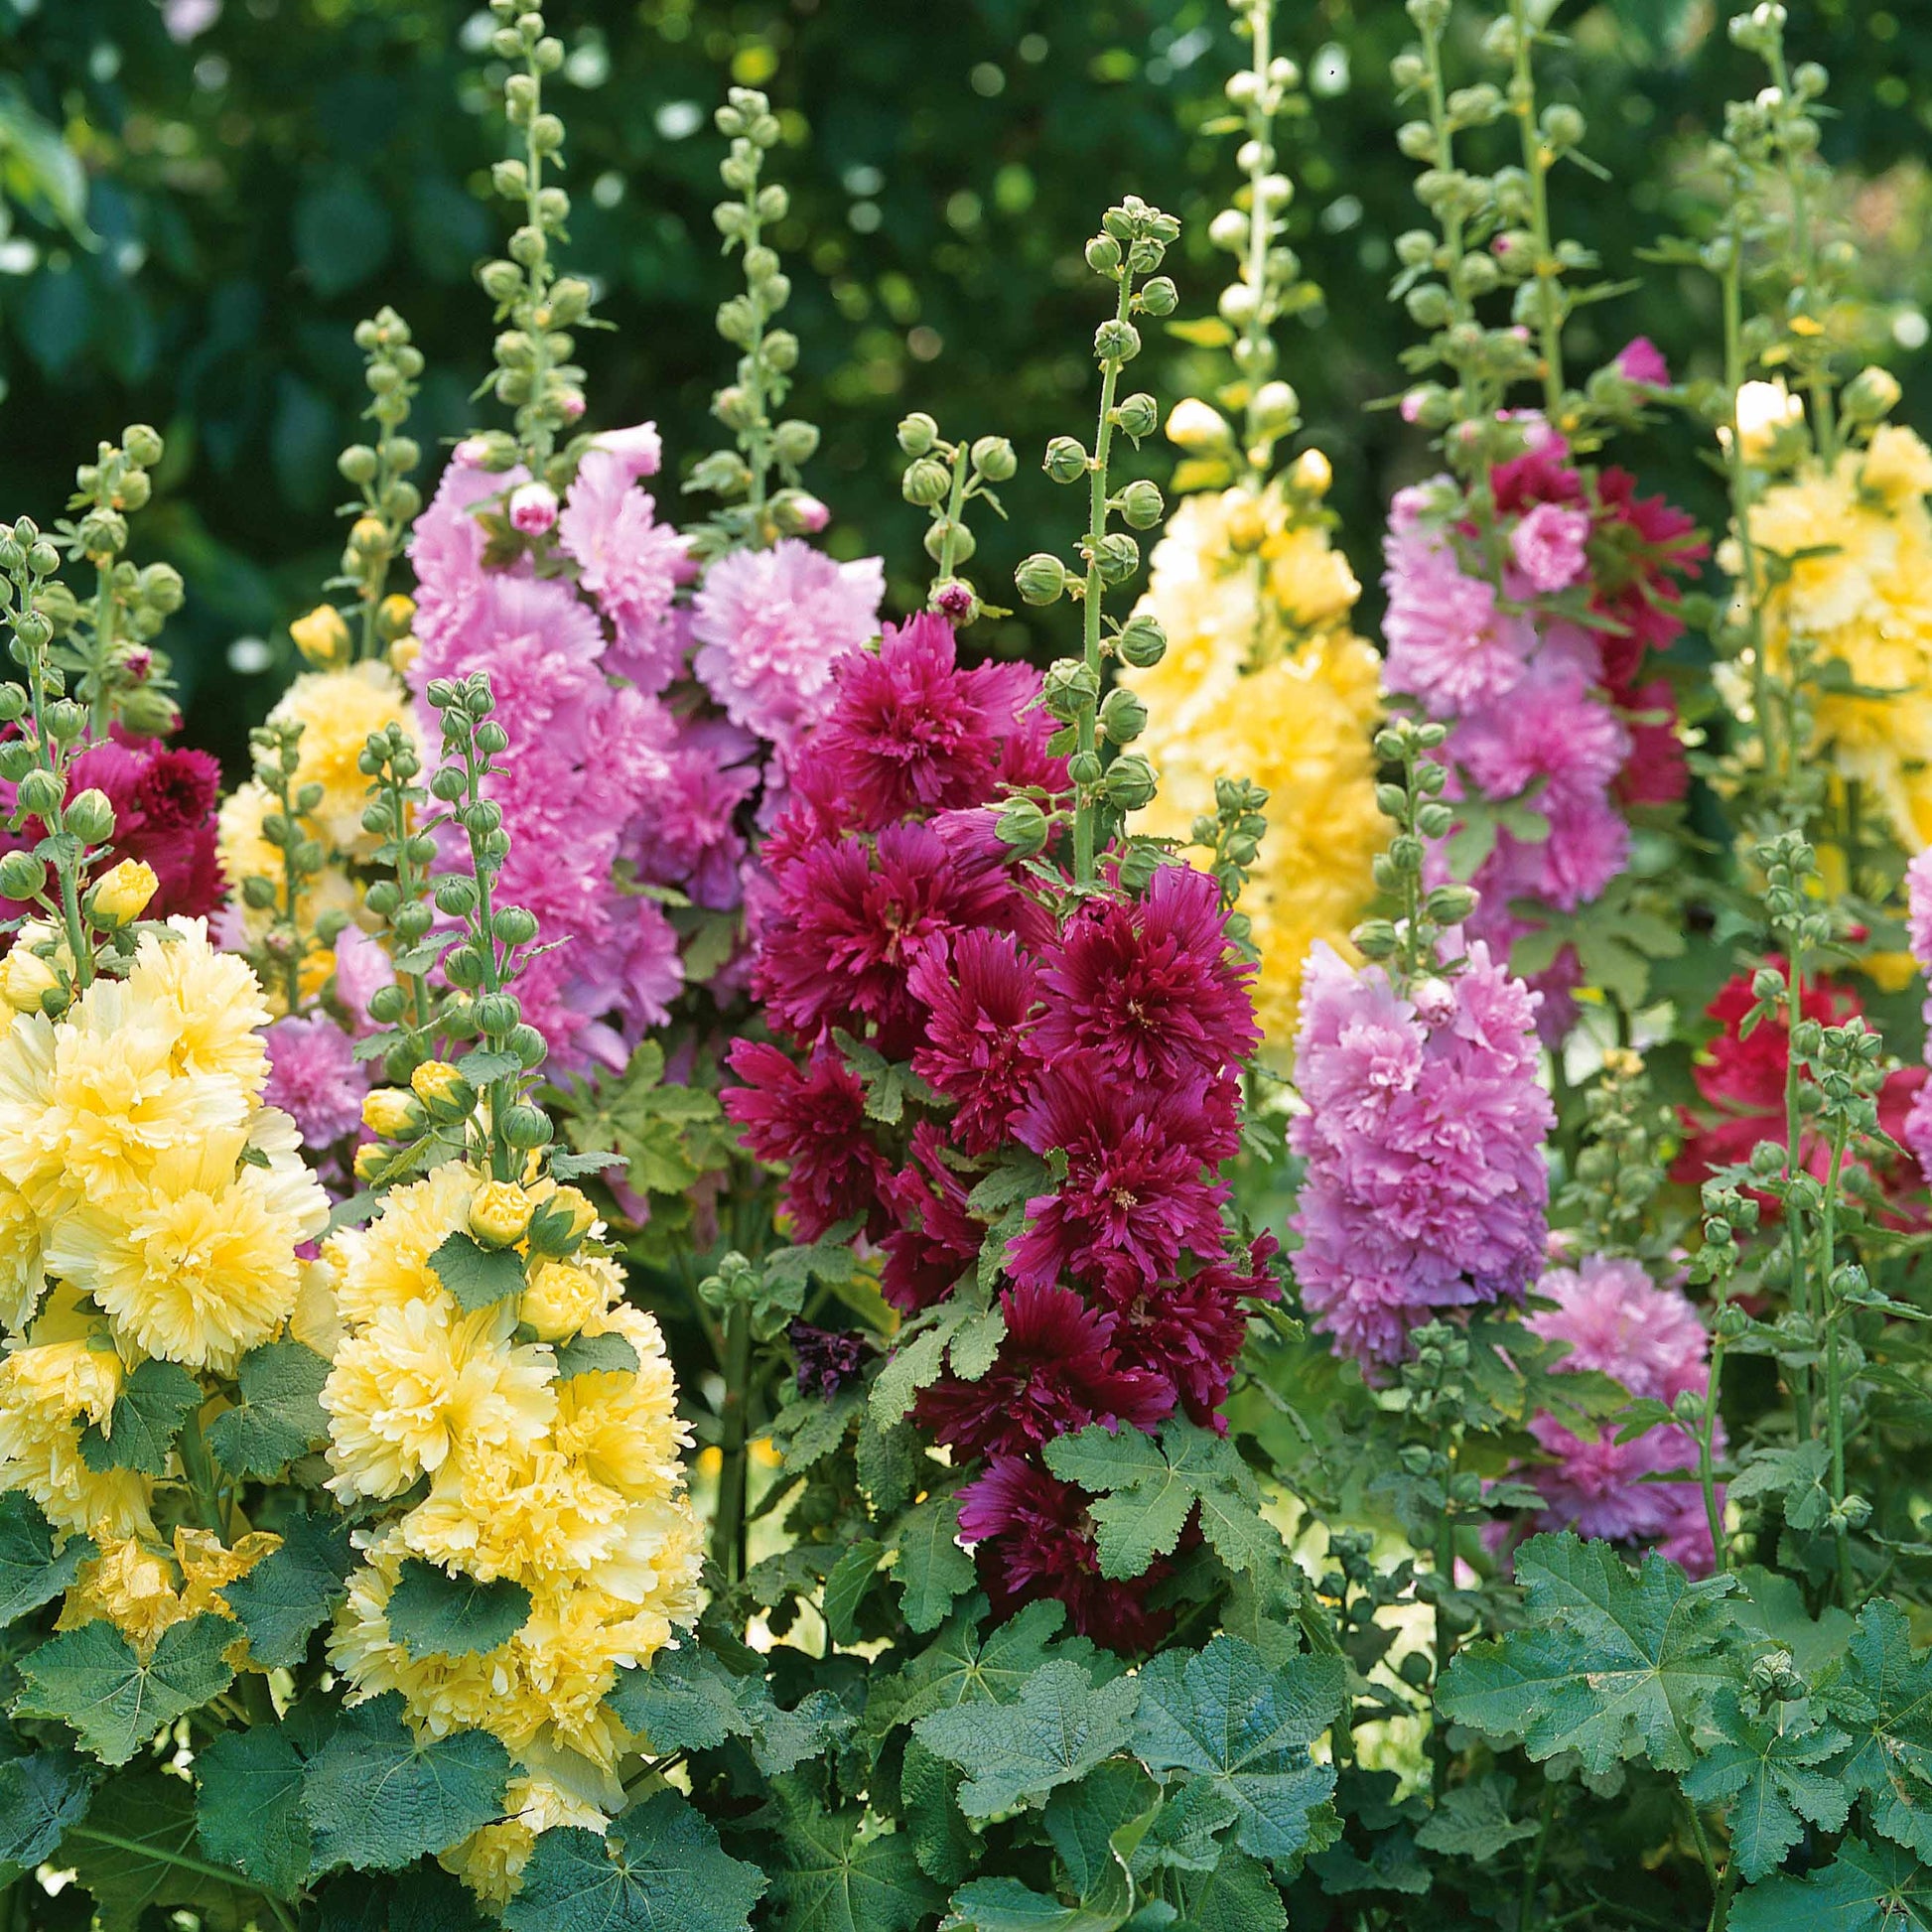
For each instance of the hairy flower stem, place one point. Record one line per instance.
(733, 1448)
(1086, 798)
(1833, 1371)
(1536, 165)
(1799, 1286)
(503, 1092)
(67, 859)
(1261, 24)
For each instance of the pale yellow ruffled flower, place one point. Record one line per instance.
(337, 710)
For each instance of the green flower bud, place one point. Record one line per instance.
(1120, 557)
(1116, 341)
(1229, 230)
(514, 925)
(1066, 460)
(1138, 416)
(1142, 643)
(499, 1013)
(926, 483)
(89, 816)
(1041, 579)
(1872, 395)
(456, 895)
(1159, 297)
(949, 531)
(918, 433)
(1023, 826)
(1130, 782)
(22, 875)
(1123, 717)
(794, 442)
(1140, 503)
(1068, 687)
(1085, 768)
(525, 1126)
(994, 459)
(1103, 256)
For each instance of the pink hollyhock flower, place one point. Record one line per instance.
(1055, 1372)
(1618, 1323)
(629, 562)
(686, 833)
(534, 508)
(1658, 769)
(1450, 644)
(770, 624)
(912, 732)
(1425, 1187)
(1035, 1540)
(1148, 989)
(315, 1078)
(362, 968)
(813, 1120)
(633, 453)
(1547, 546)
(1135, 1198)
(446, 549)
(1641, 360)
(978, 1048)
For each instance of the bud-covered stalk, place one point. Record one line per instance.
(534, 375)
(387, 500)
(1414, 800)
(290, 828)
(755, 514)
(396, 808)
(941, 479)
(1539, 156)
(36, 761)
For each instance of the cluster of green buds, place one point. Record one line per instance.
(106, 640)
(1413, 799)
(1494, 234)
(765, 445)
(385, 504)
(1618, 1174)
(75, 918)
(289, 826)
(1109, 781)
(479, 960)
(535, 377)
(397, 809)
(1232, 839)
(942, 479)
(1267, 284)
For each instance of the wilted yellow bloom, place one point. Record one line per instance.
(134, 1586)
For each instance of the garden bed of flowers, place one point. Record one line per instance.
(712, 1259)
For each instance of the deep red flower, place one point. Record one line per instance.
(812, 1118)
(1149, 988)
(1136, 1196)
(851, 920)
(1639, 548)
(1657, 772)
(1056, 1371)
(915, 733)
(1035, 1540)
(937, 1238)
(978, 1048)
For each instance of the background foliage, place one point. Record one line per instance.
(190, 229)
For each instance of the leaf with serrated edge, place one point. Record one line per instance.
(150, 1858)
(292, 1590)
(93, 1679)
(434, 1614)
(40, 1797)
(1225, 1717)
(474, 1276)
(931, 1569)
(1883, 1695)
(280, 1415)
(250, 1808)
(31, 1574)
(1865, 1888)
(831, 1878)
(146, 1418)
(660, 1870)
(846, 1587)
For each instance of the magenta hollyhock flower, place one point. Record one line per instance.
(770, 624)
(813, 1120)
(1033, 1541)
(1547, 546)
(827, 1360)
(1055, 1372)
(978, 1048)
(1149, 988)
(853, 919)
(913, 732)
(1618, 1323)
(1917, 1129)
(1135, 1196)
(938, 1239)
(314, 1079)
(1641, 360)
(1425, 1187)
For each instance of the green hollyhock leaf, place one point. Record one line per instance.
(376, 1799)
(1083, 1821)
(1774, 1777)
(832, 1879)
(279, 1416)
(967, 1666)
(292, 1590)
(475, 1276)
(1865, 1888)
(846, 1587)
(1473, 1821)
(250, 1808)
(434, 1614)
(1613, 1663)
(594, 1355)
(1149, 1488)
(687, 1700)
(1238, 1895)
(146, 1418)
(1225, 1717)
(945, 1846)
(31, 1574)
(1883, 1695)
(931, 1569)
(661, 1869)
(1057, 1729)
(94, 1679)
(40, 1797)
(140, 1857)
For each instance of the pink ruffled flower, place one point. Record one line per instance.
(315, 1078)
(629, 562)
(1547, 546)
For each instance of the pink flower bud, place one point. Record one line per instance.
(471, 452)
(955, 603)
(573, 406)
(1640, 360)
(1412, 406)
(137, 663)
(534, 508)
(638, 451)
(810, 515)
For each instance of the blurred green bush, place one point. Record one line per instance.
(199, 198)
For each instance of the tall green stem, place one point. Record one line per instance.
(1833, 1371)
(727, 1528)
(1260, 223)
(1799, 1286)
(1536, 165)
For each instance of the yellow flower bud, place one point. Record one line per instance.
(1764, 410)
(562, 1219)
(1194, 426)
(367, 533)
(1311, 472)
(121, 895)
(562, 1298)
(371, 1158)
(404, 652)
(24, 977)
(499, 1213)
(1247, 523)
(321, 637)
(393, 1112)
(395, 614)
(442, 1089)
